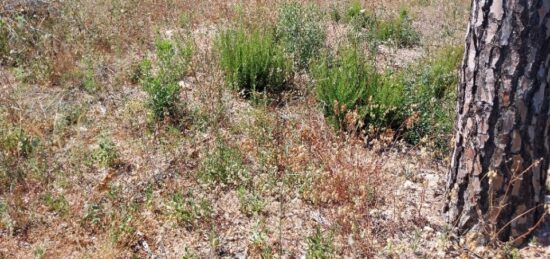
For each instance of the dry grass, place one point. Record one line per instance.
(298, 174)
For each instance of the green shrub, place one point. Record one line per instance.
(106, 153)
(335, 14)
(352, 91)
(319, 245)
(397, 30)
(385, 108)
(57, 204)
(20, 152)
(14, 142)
(359, 17)
(301, 32)
(432, 96)
(343, 84)
(89, 82)
(252, 61)
(417, 102)
(162, 85)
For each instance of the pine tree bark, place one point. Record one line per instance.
(496, 183)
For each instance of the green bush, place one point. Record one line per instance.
(57, 204)
(106, 153)
(320, 245)
(162, 85)
(251, 203)
(397, 30)
(252, 61)
(343, 84)
(335, 14)
(385, 108)
(349, 83)
(21, 153)
(432, 96)
(301, 32)
(358, 16)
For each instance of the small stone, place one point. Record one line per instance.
(409, 185)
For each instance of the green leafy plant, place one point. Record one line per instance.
(251, 203)
(252, 61)
(94, 213)
(123, 228)
(16, 143)
(88, 77)
(162, 85)
(300, 31)
(223, 165)
(320, 245)
(259, 244)
(5, 220)
(335, 14)
(57, 203)
(20, 152)
(186, 211)
(354, 10)
(106, 153)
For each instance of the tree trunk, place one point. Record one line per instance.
(496, 184)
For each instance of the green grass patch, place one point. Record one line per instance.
(251, 203)
(320, 245)
(394, 29)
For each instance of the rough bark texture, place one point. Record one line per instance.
(495, 185)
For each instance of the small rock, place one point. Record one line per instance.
(316, 215)
(409, 185)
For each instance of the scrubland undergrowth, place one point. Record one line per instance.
(202, 129)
